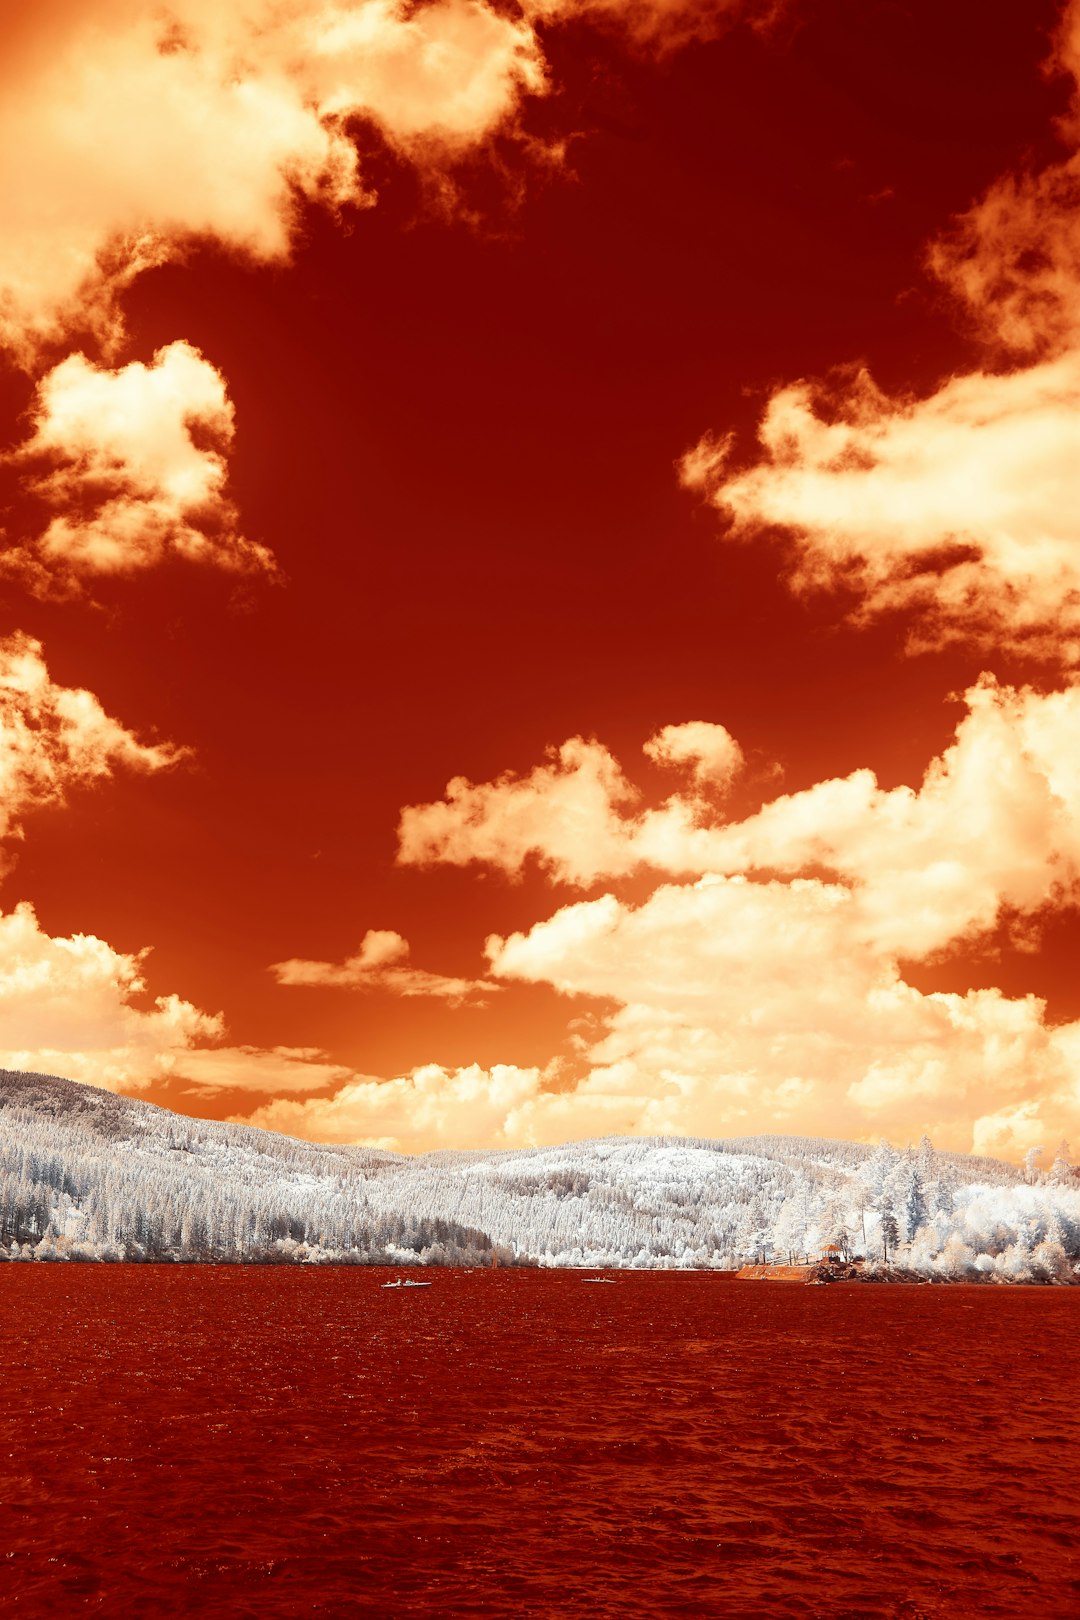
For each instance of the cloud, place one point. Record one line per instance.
(78, 1008)
(739, 1007)
(993, 827)
(430, 1108)
(243, 108)
(381, 963)
(758, 1005)
(249, 109)
(571, 813)
(709, 751)
(957, 509)
(1010, 1132)
(1013, 259)
(271, 1069)
(75, 1006)
(131, 135)
(53, 737)
(773, 986)
(132, 462)
(67, 1007)
(565, 812)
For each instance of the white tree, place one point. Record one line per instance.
(1061, 1171)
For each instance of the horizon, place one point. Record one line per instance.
(541, 577)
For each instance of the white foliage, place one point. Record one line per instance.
(87, 1175)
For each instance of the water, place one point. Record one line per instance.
(234, 1442)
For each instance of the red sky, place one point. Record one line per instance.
(367, 372)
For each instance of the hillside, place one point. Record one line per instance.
(86, 1175)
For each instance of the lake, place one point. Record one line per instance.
(279, 1442)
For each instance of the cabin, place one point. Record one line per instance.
(832, 1254)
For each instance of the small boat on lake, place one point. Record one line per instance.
(598, 1279)
(406, 1282)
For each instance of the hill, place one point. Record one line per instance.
(87, 1175)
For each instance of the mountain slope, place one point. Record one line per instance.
(85, 1174)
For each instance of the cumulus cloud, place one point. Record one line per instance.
(773, 985)
(130, 135)
(67, 1006)
(573, 813)
(565, 812)
(739, 1007)
(79, 1008)
(132, 463)
(249, 109)
(760, 1000)
(1013, 260)
(707, 750)
(381, 963)
(1009, 1132)
(242, 107)
(956, 509)
(53, 737)
(76, 1006)
(994, 826)
(430, 1108)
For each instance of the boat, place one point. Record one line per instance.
(407, 1282)
(598, 1279)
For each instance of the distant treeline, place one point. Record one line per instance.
(86, 1175)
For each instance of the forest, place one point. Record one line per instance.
(86, 1175)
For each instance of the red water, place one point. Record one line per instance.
(228, 1441)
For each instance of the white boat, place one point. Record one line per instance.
(598, 1279)
(406, 1282)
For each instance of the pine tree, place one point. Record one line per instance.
(914, 1203)
(890, 1235)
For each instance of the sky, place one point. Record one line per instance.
(539, 565)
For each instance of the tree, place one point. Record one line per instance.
(834, 1227)
(1061, 1171)
(877, 1169)
(1031, 1163)
(914, 1203)
(890, 1236)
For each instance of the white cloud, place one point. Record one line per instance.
(710, 752)
(271, 1069)
(1013, 259)
(565, 812)
(757, 1006)
(244, 105)
(130, 135)
(994, 825)
(68, 1006)
(430, 1108)
(78, 1008)
(53, 738)
(772, 990)
(1009, 1132)
(381, 963)
(574, 813)
(957, 509)
(132, 462)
